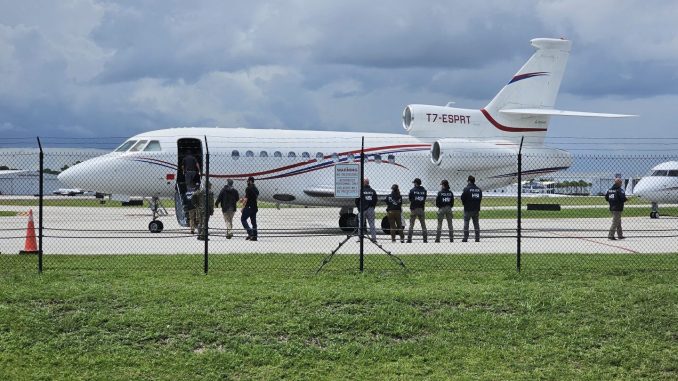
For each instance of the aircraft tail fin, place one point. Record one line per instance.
(536, 84)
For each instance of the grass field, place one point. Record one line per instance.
(80, 321)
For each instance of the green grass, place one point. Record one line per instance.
(5, 213)
(79, 321)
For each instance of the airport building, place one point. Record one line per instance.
(24, 182)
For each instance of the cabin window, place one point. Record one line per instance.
(335, 156)
(673, 173)
(235, 154)
(263, 154)
(306, 155)
(249, 154)
(153, 145)
(319, 156)
(125, 146)
(277, 154)
(659, 173)
(391, 159)
(291, 154)
(377, 158)
(138, 146)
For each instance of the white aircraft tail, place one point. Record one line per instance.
(536, 84)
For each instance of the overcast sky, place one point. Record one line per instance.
(86, 68)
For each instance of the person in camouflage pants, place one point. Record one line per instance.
(201, 208)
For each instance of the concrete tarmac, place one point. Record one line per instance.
(124, 230)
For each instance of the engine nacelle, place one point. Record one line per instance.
(462, 154)
(435, 121)
(466, 155)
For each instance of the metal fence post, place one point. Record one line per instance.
(520, 203)
(361, 224)
(206, 216)
(40, 204)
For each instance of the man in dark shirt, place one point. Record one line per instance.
(228, 197)
(249, 211)
(471, 198)
(616, 197)
(417, 198)
(369, 201)
(191, 169)
(445, 202)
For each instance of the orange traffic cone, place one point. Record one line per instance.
(30, 247)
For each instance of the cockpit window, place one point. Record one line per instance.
(153, 145)
(659, 173)
(138, 146)
(125, 146)
(673, 173)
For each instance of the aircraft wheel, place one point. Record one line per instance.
(654, 215)
(155, 226)
(348, 222)
(385, 226)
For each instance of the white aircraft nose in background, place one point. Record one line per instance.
(661, 186)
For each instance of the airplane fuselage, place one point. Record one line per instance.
(294, 166)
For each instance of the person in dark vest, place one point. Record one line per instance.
(616, 197)
(203, 208)
(228, 198)
(417, 198)
(394, 210)
(471, 197)
(370, 199)
(249, 210)
(445, 202)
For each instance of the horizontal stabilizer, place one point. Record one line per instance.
(546, 111)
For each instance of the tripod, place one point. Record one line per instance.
(355, 233)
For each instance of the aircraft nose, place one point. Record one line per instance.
(82, 175)
(640, 188)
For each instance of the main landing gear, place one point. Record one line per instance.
(348, 221)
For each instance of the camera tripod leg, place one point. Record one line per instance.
(328, 258)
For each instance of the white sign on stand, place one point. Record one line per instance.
(346, 180)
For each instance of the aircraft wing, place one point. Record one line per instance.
(552, 112)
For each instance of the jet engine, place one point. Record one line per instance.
(467, 155)
(463, 154)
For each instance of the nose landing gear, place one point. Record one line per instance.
(156, 226)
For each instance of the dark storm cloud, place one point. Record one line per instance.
(115, 68)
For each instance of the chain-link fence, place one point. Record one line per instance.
(133, 208)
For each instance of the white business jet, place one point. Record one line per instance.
(297, 166)
(661, 185)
